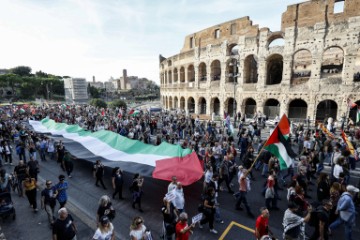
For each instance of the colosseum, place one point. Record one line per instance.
(308, 69)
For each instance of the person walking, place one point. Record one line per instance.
(48, 201)
(68, 164)
(64, 227)
(136, 188)
(33, 168)
(117, 183)
(209, 210)
(60, 149)
(182, 229)
(322, 215)
(61, 188)
(98, 172)
(262, 224)
(244, 187)
(29, 186)
(346, 210)
(294, 228)
(137, 229)
(105, 209)
(105, 230)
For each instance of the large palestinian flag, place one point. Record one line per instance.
(161, 162)
(279, 145)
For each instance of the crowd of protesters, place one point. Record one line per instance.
(227, 158)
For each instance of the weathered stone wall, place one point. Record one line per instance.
(317, 43)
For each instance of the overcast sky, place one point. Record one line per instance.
(85, 38)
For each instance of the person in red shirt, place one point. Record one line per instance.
(262, 224)
(183, 230)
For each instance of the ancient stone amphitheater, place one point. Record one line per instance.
(308, 69)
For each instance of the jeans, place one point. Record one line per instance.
(242, 199)
(348, 227)
(265, 169)
(320, 167)
(42, 154)
(50, 212)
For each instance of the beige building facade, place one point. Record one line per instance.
(309, 68)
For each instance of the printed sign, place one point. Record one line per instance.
(197, 218)
(170, 196)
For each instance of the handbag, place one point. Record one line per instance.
(269, 193)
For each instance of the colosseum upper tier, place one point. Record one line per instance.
(308, 69)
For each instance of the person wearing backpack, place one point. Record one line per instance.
(319, 219)
(346, 210)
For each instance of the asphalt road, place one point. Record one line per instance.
(84, 197)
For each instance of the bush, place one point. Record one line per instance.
(118, 103)
(97, 102)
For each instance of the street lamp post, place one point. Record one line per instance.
(234, 64)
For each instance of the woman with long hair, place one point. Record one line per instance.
(105, 208)
(29, 185)
(136, 188)
(209, 209)
(137, 229)
(105, 230)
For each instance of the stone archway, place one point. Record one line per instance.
(250, 107)
(202, 105)
(231, 106)
(191, 73)
(354, 112)
(274, 69)
(326, 109)
(202, 72)
(176, 102)
(272, 108)
(182, 103)
(215, 70)
(170, 103)
(250, 69)
(182, 74)
(215, 106)
(297, 109)
(176, 75)
(190, 105)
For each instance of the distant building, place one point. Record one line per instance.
(76, 90)
(4, 71)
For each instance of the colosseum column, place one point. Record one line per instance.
(349, 66)
(208, 106)
(196, 110)
(196, 69)
(263, 49)
(208, 74)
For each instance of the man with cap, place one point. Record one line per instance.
(346, 210)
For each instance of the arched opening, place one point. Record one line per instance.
(250, 107)
(169, 63)
(301, 71)
(215, 106)
(176, 76)
(274, 69)
(298, 109)
(231, 106)
(182, 103)
(202, 72)
(166, 77)
(233, 49)
(215, 70)
(170, 103)
(332, 64)
(276, 42)
(176, 103)
(231, 70)
(166, 103)
(170, 77)
(190, 105)
(353, 113)
(182, 74)
(202, 105)
(326, 109)
(191, 73)
(357, 67)
(272, 108)
(251, 69)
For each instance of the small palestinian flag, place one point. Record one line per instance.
(279, 145)
(349, 145)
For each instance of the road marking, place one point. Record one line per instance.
(222, 237)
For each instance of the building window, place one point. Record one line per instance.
(191, 42)
(233, 29)
(217, 33)
(339, 6)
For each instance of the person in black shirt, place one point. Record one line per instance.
(117, 182)
(48, 200)
(60, 149)
(136, 190)
(105, 208)
(64, 227)
(20, 173)
(170, 215)
(98, 171)
(322, 226)
(33, 168)
(209, 209)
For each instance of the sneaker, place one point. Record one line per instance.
(36, 210)
(70, 176)
(213, 231)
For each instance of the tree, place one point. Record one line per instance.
(21, 71)
(119, 103)
(97, 102)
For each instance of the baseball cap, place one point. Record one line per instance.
(351, 188)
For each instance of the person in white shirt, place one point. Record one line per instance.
(338, 168)
(173, 184)
(179, 201)
(105, 230)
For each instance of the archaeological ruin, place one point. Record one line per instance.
(308, 69)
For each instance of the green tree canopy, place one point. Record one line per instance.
(118, 103)
(21, 71)
(97, 102)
